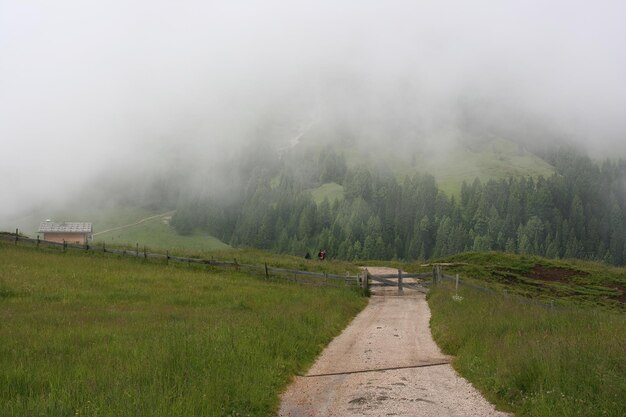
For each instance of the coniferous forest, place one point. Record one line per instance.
(579, 212)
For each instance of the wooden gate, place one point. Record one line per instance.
(402, 280)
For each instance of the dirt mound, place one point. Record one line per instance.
(621, 297)
(542, 273)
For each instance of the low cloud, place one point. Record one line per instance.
(92, 87)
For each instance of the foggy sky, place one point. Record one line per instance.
(88, 87)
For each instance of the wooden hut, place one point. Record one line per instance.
(76, 233)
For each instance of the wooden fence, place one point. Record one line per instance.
(269, 272)
(362, 280)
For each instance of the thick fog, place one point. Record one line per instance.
(91, 88)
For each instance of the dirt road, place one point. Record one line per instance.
(385, 363)
(138, 222)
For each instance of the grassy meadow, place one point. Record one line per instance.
(493, 158)
(486, 159)
(101, 335)
(534, 360)
(155, 233)
(253, 256)
(330, 191)
(565, 282)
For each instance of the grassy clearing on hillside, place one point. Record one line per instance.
(100, 335)
(492, 158)
(565, 281)
(484, 158)
(154, 233)
(158, 234)
(331, 191)
(102, 218)
(533, 360)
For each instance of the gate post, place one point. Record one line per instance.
(434, 275)
(364, 279)
(400, 288)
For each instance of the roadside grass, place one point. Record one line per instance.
(566, 282)
(101, 335)
(533, 360)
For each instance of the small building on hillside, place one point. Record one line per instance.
(74, 233)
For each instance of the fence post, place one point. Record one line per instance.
(37, 240)
(137, 250)
(16, 233)
(267, 274)
(457, 283)
(400, 288)
(64, 245)
(145, 255)
(167, 257)
(236, 265)
(434, 275)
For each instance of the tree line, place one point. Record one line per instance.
(576, 213)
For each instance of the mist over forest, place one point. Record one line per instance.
(237, 114)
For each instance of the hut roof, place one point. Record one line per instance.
(65, 227)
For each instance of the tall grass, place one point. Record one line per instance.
(88, 334)
(534, 360)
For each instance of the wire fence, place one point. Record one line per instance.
(269, 272)
(439, 276)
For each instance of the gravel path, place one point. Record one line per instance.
(385, 363)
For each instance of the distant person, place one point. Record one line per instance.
(307, 256)
(322, 254)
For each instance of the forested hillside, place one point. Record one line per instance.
(579, 212)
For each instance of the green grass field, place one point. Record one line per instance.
(103, 335)
(533, 360)
(566, 282)
(99, 335)
(157, 234)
